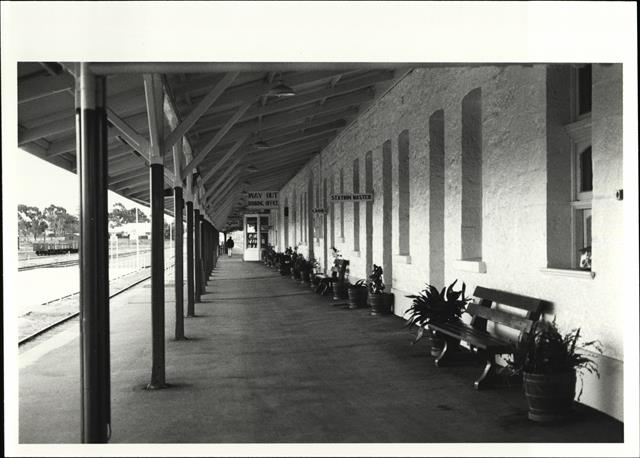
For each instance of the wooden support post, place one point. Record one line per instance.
(91, 130)
(198, 256)
(178, 204)
(179, 263)
(190, 261)
(154, 96)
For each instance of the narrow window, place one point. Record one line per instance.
(471, 230)
(368, 223)
(285, 219)
(404, 190)
(342, 205)
(569, 167)
(356, 206)
(585, 171)
(333, 214)
(582, 209)
(436, 198)
(387, 212)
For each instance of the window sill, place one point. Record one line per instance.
(574, 273)
(402, 258)
(340, 239)
(471, 266)
(580, 130)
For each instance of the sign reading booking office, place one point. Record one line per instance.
(351, 197)
(259, 200)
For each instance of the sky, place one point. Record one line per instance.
(45, 184)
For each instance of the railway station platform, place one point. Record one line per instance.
(268, 361)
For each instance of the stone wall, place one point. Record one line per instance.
(518, 136)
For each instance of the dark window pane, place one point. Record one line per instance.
(586, 173)
(584, 88)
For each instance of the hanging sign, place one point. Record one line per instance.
(262, 200)
(351, 197)
(319, 210)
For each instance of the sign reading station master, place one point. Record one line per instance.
(351, 197)
(258, 200)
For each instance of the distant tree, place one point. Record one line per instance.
(71, 225)
(56, 218)
(24, 221)
(120, 215)
(32, 221)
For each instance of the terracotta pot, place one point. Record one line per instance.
(380, 303)
(550, 396)
(357, 297)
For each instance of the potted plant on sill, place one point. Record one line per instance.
(431, 306)
(549, 363)
(379, 301)
(357, 295)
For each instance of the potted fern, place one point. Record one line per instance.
(357, 294)
(550, 363)
(379, 301)
(433, 306)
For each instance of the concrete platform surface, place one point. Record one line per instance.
(268, 361)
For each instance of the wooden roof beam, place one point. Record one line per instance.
(43, 86)
(224, 159)
(312, 96)
(115, 177)
(291, 123)
(107, 68)
(199, 157)
(231, 171)
(136, 140)
(204, 104)
(133, 181)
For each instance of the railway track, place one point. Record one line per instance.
(70, 262)
(57, 323)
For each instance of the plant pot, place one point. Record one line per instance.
(357, 297)
(338, 290)
(550, 396)
(380, 303)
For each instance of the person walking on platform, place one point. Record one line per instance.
(229, 244)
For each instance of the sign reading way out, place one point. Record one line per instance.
(259, 200)
(351, 197)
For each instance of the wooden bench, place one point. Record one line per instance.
(324, 282)
(488, 342)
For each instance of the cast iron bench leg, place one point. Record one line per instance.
(488, 375)
(442, 359)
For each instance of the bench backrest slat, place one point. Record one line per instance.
(501, 317)
(532, 305)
